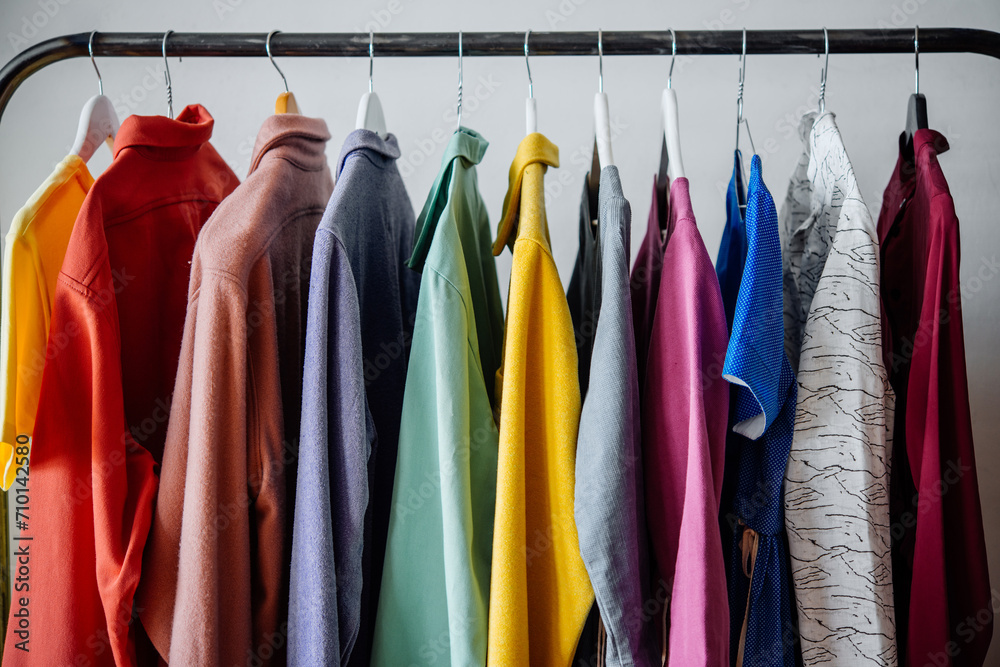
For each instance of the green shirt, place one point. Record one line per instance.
(434, 601)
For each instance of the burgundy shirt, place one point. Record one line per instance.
(944, 614)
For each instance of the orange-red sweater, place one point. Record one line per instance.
(114, 340)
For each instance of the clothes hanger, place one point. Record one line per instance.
(530, 108)
(286, 102)
(98, 120)
(602, 117)
(739, 109)
(370, 116)
(671, 126)
(458, 111)
(166, 77)
(823, 72)
(916, 109)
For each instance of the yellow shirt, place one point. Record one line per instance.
(540, 594)
(32, 257)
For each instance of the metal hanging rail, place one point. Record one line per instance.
(398, 44)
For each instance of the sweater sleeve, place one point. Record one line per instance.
(23, 338)
(332, 481)
(196, 598)
(83, 551)
(212, 622)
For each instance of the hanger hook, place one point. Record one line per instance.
(600, 60)
(371, 60)
(823, 72)
(739, 93)
(531, 90)
(673, 56)
(267, 47)
(750, 136)
(90, 50)
(459, 79)
(166, 77)
(916, 59)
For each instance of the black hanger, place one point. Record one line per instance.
(916, 108)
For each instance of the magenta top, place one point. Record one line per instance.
(685, 411)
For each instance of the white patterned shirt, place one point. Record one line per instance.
(837, 478)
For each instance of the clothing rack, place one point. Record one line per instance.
(415, 44)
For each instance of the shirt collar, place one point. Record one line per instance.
(927, 144)
(471, 147)
(382, 151)
(177, 138)
(293, 137)
(465, 143)
(534, 148)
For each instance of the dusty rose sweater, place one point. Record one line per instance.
(214, 586)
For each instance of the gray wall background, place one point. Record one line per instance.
(867, 92)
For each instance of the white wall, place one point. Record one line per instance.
(868, 93)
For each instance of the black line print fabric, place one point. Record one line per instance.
(837, 479)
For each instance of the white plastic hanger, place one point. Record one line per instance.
(602, 117)
(286, 102)
(530, 108)
(671, 126)
(370, 115)
(98, 120)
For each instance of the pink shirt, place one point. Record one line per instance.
(684, 417)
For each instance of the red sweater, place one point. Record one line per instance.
(115, 337)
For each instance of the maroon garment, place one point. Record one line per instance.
(944, 614)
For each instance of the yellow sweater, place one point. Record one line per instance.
(33, 255)
(539, 590)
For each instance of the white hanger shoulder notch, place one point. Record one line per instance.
(98, 120)
(370, 114)
(602, 117)
(671, 123)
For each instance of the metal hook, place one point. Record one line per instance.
(600, 61)
(822, 74)
(371, 60)
(90, 50)
(531, 91)
(459, 79)
(267, 47)
(166, 77)
(739, 96)
(916, 59)
(750, 136)
(673, 56)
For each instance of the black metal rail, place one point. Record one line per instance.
(689, 42)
